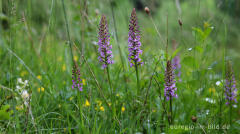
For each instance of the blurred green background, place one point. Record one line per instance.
(45, 17)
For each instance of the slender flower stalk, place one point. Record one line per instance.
(104, 47)
(76, 78)
(105, 51)
(112, 4)
(134, 45)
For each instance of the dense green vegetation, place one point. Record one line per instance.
(40, 40)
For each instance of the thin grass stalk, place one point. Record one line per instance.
(119, 48)
(163, 104)
(167, 40)
(67, 28)
(23, 63)
(98, 85)
(150, 83)
(80, 109)
(155, 26)
(222, 91)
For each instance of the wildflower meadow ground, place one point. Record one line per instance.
(119, 67)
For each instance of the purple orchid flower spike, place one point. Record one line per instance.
(170, 83)
(230, 85)
(134, 43)
(104, 47)
(76, 78)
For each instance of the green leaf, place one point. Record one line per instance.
(198, 33)
(5, 113)
(176, 52)
(190, 62)
(199, 49)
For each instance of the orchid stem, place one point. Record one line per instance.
(137, 75)
(109, 80)
(170, 110)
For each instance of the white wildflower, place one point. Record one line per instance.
(25, 94)
(199, 91)
(210, 100)
(235, 106)
(218, 83)
(19, 80)
(18, 87)
(26, 82)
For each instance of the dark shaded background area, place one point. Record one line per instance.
(223, 15)
(38, 11)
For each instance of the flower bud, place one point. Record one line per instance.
(147, 10)
(194, 119)
(180, 22)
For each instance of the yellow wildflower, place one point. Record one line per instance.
(20, 107)
(206, 25)
(109, 104)
(39, 77)
(123, 109)
(102, 108)
(64, 67)
(99, 102)
(83, 81)
(75, 58)
(154, 110)
(87, 104)
(117, 95)
(41, 89)
(212, 90)
(23, 73)
(71, 98)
